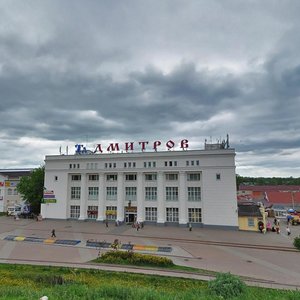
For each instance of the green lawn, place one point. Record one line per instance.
(32, 282)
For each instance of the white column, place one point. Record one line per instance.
(120, 205)
(182, 198)
(140, 198)
(160, 199)
(83, 198)
(101, 198)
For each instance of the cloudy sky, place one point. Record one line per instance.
(98, 71)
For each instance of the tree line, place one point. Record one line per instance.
(267, 180)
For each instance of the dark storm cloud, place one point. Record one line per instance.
(126, 70)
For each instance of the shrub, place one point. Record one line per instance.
(131, 258)
(297, 242)
(227, 285)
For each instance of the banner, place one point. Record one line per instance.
(49, 197)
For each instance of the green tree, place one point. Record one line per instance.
(32, 188)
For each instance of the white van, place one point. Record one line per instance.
(14, 210)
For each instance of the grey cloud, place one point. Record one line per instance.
(128, 69)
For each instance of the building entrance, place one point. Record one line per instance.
(130, 214)
(130, 218)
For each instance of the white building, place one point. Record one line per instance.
(9, 179)
(165, 187)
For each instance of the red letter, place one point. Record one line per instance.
(156, 144)
(113, 147)
(129, 147)
(170, 144)
(143, 145)
(98, 148)
(184, 144)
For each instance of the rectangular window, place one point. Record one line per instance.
(74, 211)
(151, 214)
(75, 192)
(166, 163)
(111, 177)
(93, 177)
(9, 192)
(150, 193)
(111, 193)
(150, 177)
(130, 193)
(133, 164)
(172, 177)
(111, 212)
(197, 162)
(192, 163)
(93, 193)
(145, 164)
(55, 178)
(70, 166)
(172, 214)
(175, 163)
(218, 176)
(92, 212)
(170, 163)
(193, 177)
(187, 163)
(250, 222)
(195, 215)
(125, 165)
(154, 164)
(76, 177)
(172, 193)
(130, 177)
(194, 194)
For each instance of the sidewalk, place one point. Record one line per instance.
(188, 248)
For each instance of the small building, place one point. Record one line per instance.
(278, 198)
(249, 216)
(9, 179)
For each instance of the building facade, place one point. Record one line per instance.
(166, 187)
(9, 179)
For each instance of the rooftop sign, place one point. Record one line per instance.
(131, 146)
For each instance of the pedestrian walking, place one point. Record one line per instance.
(53, 233)
(288, 230)
(190, 227)
(106, 223)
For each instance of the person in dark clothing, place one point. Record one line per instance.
(53, 233)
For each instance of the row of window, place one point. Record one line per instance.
(172, 213)
(147, 164)
(171, 193)
(132, 177)
(11, 191)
